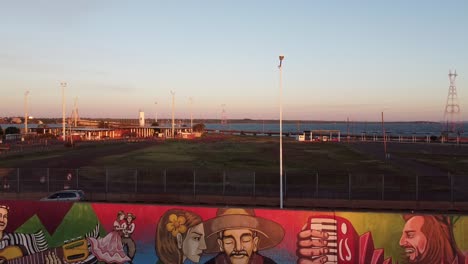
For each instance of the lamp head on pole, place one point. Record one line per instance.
(281, 58)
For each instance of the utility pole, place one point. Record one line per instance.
(191, 114)
(347, 129)
(173, 124)
(63, 84)
(452, 108)
(26, 115)
(281, 58)
(223, 114)
(75, 112)
(156, 116)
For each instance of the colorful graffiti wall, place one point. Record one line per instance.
(54, 233)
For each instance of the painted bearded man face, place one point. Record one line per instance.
(238, 244)
(413, 240)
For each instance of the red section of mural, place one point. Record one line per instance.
(366, 248)
(51, 214)
(329, 239)
(308, 235)
(368, 253)
(348, 247)
(334, 240)
(378, 256)
(147, 216)
(342, 240)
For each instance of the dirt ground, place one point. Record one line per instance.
(407, 155)
(81, 155)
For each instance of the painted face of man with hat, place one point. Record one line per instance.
(238, 244)
(238, 235)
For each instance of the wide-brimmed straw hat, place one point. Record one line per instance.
(269, 232)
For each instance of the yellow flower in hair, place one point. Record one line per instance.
(176, 225)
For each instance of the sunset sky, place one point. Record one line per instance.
(343, 59)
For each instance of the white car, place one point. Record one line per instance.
(66, 195)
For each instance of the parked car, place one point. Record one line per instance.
(66, 195)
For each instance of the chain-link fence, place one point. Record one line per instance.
(315, 185)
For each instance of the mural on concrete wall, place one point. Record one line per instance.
(56, 233)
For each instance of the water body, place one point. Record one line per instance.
(393, 128)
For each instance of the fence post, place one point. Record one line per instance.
(164, 179)
(136, 181)
(285, 182)
(349, 186)
(17, 180)
(194, 181)
(107, 187)
(417, 188)
(451, 188)
(77, 180)
(316, 185)
(48, 180)
(383, 186)
(224, 182)
(254, 184)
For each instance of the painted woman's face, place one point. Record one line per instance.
(121, 217)
(194, 243)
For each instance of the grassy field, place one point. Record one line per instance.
(245, 162)
(244, 153)
(329, 168)
(225, 152)
(209, 152)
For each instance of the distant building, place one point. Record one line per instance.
(142, 119)
(16, 120)
(320, 135)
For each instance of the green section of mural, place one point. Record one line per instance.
(384, 227)
(461, 233)
(33, 225)
(79, 221)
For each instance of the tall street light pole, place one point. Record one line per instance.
(173, 124)
(63, 85)
(384, 137)
(26, 116)
(280, 67)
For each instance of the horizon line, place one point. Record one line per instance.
(233, 120)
